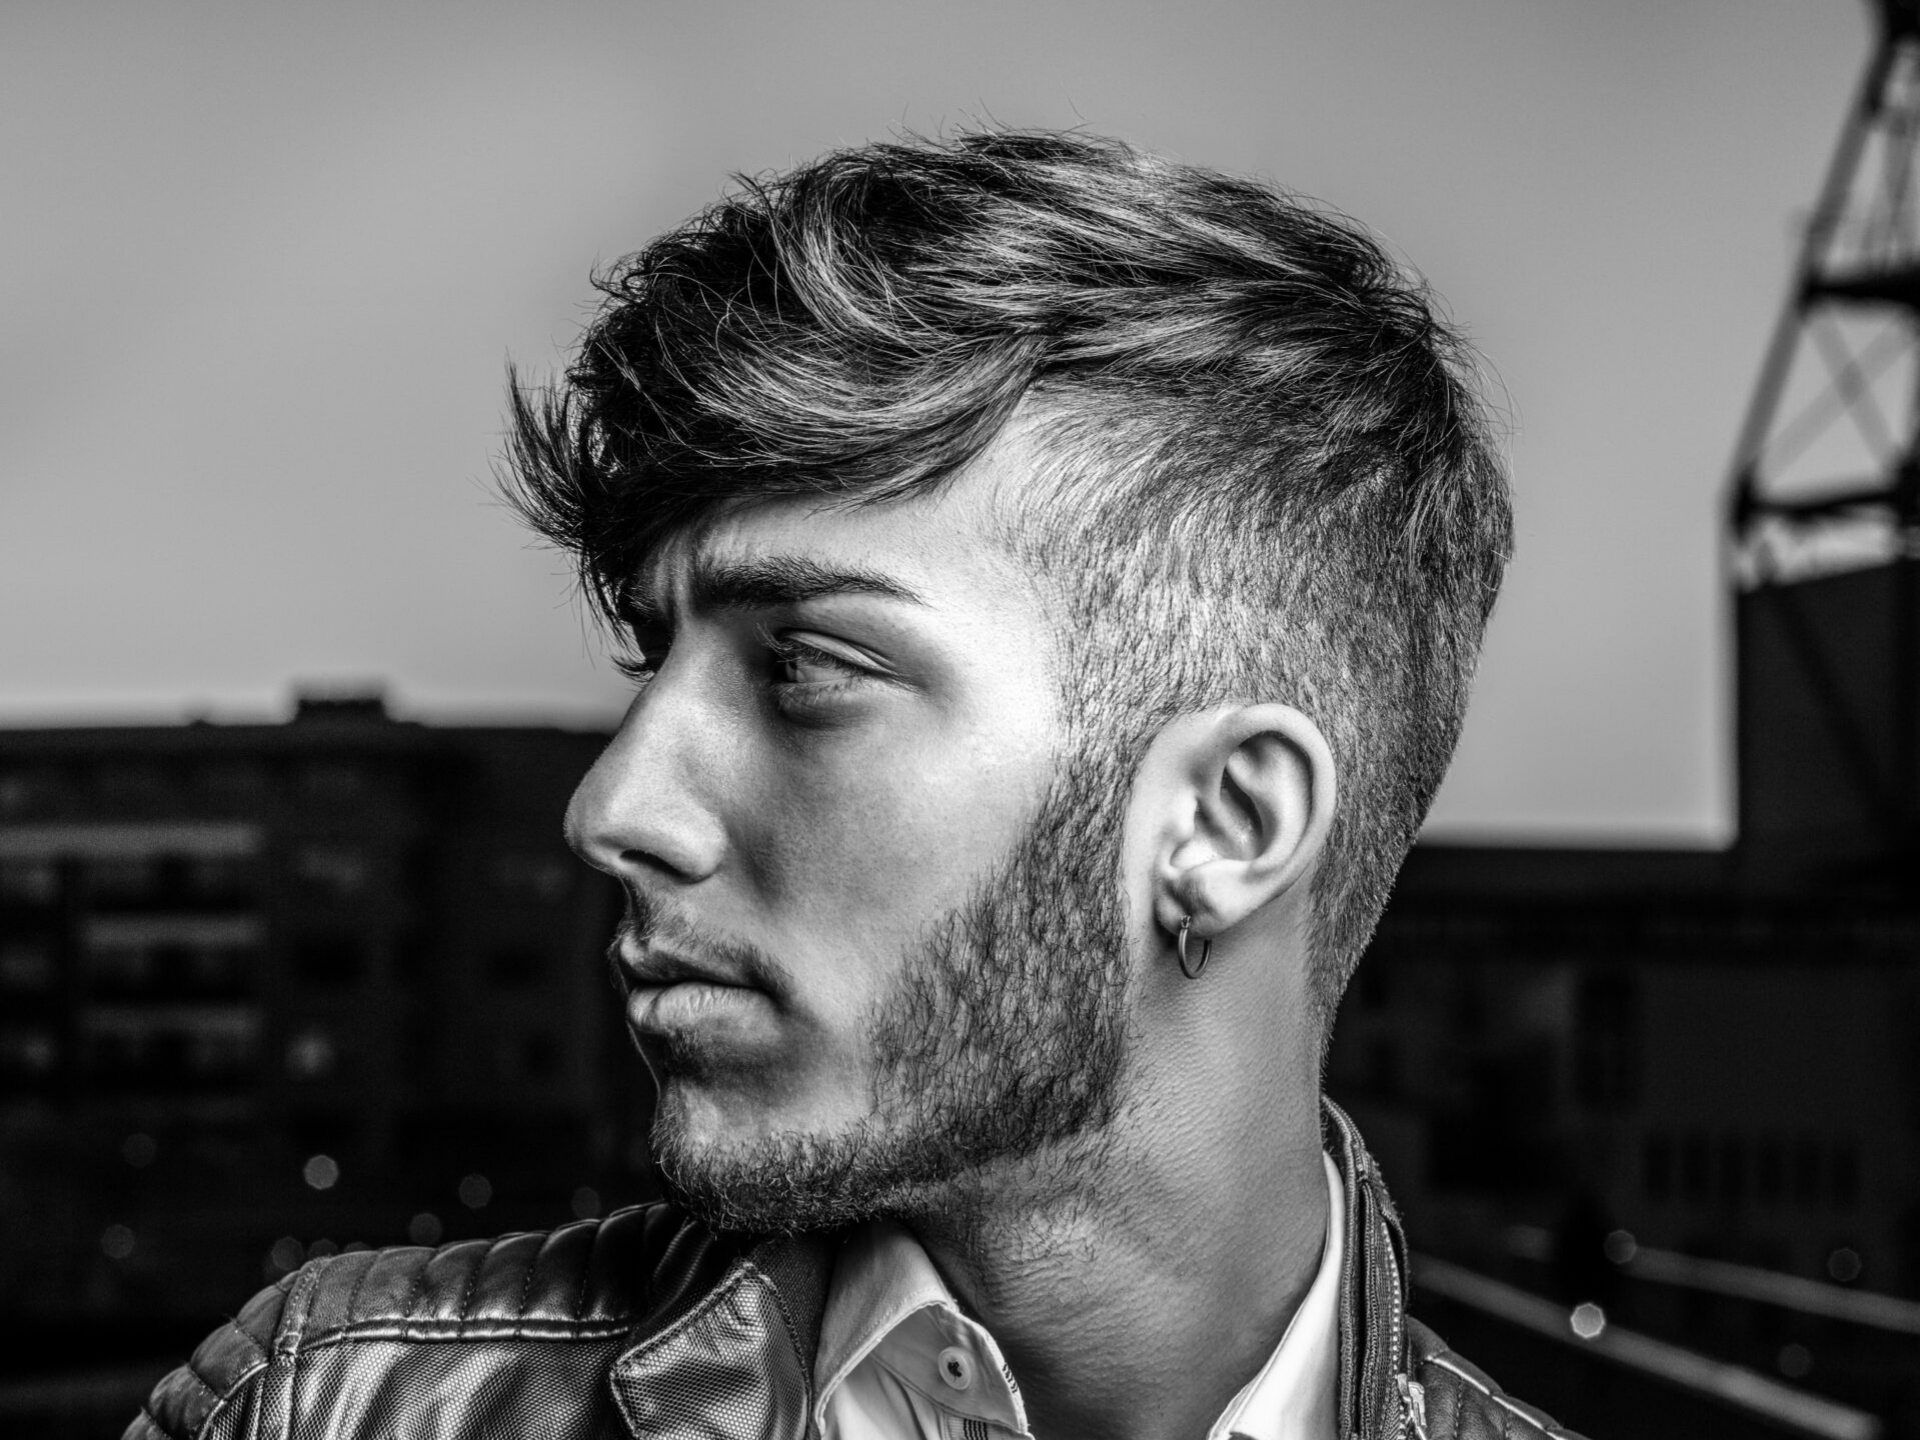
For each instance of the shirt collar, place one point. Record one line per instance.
(885, 1290)
(886, 1297)
(880, 1277)
(1295, 1395)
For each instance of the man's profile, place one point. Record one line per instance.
(1052, 579)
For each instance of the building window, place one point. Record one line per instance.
(234, 782)
(26, 1053)
(219, 969)
(139, 783)
(329, 959)
(28, 881)
(217, 878)
(121, 968)
(331, 780)
(220, 1053)
(26, 965)
(124, 877)
(336, 871)
(19, 790)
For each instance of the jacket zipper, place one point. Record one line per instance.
(1390, 1357)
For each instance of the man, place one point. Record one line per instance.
(1052, 578)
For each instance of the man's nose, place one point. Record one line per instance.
(646, 809)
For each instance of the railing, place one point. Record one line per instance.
(1586, 1328)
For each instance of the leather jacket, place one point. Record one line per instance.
(648, 1324)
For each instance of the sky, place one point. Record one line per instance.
(262, 269)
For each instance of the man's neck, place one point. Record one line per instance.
(1138, 1301)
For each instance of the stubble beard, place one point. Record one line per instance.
(998, 1059)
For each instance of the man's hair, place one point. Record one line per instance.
(1267, 472)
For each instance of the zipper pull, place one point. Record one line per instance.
(1413, 1405)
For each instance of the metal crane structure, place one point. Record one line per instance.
(1824, 520)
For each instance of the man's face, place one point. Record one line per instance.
(874, 937)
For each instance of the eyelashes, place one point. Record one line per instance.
(793, 659)
(795, 671)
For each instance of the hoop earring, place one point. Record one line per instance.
(1192, 968)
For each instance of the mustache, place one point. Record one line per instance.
(651, 925)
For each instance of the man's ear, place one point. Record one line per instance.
(1244, 799)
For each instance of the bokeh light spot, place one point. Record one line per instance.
(586, 1202)
(1844, 1264)
(475, 1191)
(322, 1172)
(116, 1242)
(425, 1229)
(139, 1150)
(310, 1055)
(1588, 1320)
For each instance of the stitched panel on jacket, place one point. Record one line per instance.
(460, 1390)
(727, 1372)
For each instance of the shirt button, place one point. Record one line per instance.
(956, 1367)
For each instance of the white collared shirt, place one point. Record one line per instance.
(899, 1361)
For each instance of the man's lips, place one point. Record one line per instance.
(646, 968)
(669, 994)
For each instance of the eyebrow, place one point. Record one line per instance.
(761, 583)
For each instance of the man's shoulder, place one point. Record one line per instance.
(1460, 1401)
(594, 1280)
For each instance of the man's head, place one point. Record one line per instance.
(1149, 442)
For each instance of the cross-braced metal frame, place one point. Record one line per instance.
(1826, 474)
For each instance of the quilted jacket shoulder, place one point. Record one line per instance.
(597, 1280)
(1461, 1403)
(225, 1360)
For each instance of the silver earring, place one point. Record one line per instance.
(1192, 968)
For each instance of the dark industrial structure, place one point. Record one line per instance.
(1685, 1085)
(1825, 516)
(267, 987)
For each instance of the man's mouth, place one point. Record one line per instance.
(647, 967)
(669, 993)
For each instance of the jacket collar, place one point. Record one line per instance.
(1378, 1399)
(740, 1362)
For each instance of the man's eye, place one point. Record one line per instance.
(797, 663)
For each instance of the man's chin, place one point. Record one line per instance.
(804, 1182)
(783, 1184)
(798, 1181)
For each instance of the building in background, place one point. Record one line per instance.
(1567, 1058)
(268, 989)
